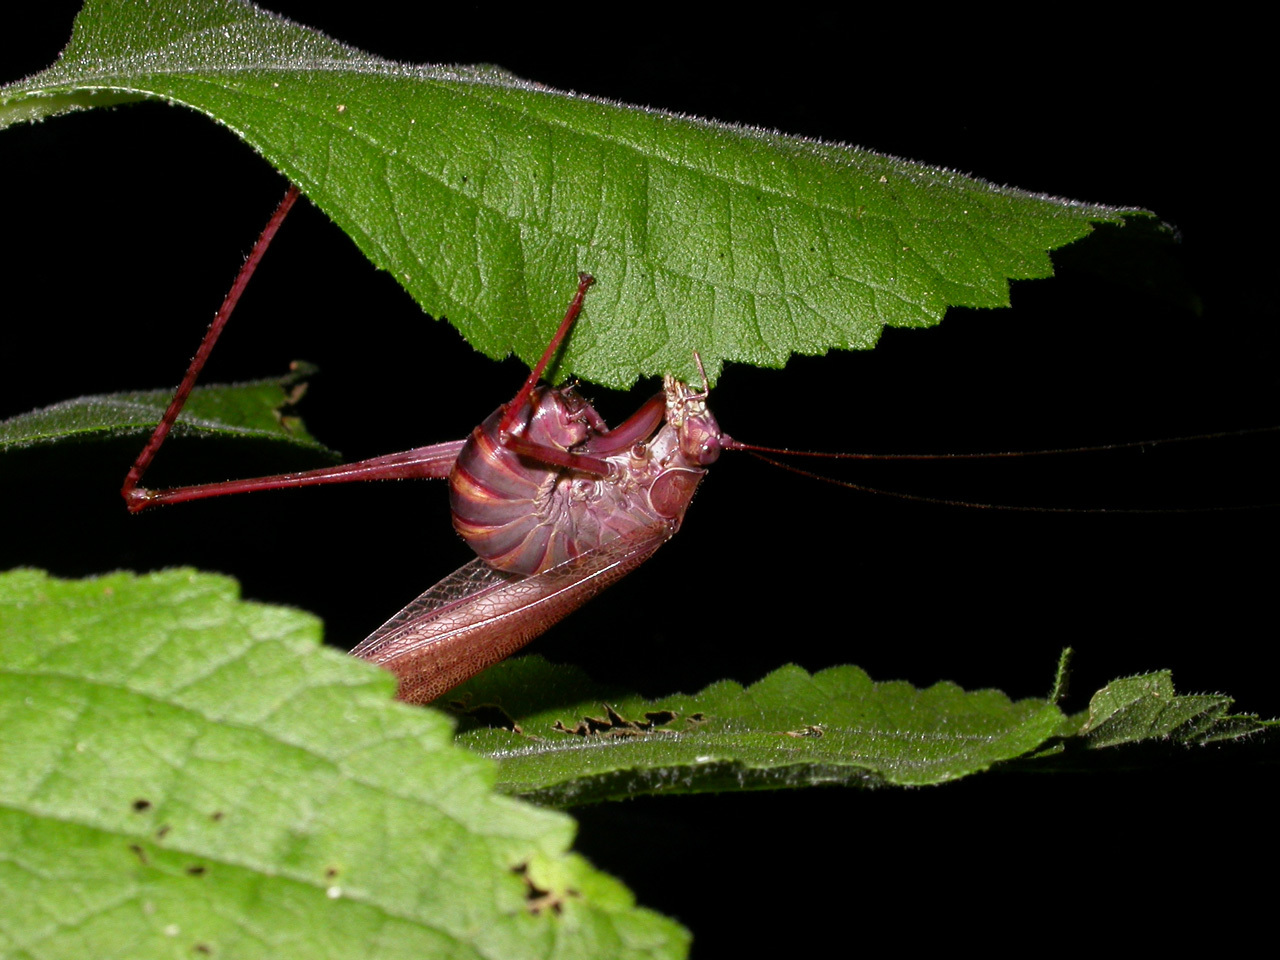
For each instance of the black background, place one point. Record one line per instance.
(123, 229)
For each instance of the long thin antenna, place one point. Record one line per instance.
(730, 444)
(1003, 507)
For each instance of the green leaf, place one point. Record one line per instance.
(484, 195)
(1136, 709)
(790, 729)
(186, 773)
(562, 740)
(256, 409)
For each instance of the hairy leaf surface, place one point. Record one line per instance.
(485, 195)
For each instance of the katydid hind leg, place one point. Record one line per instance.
(136, 496)
(515, 409)
(435, 461)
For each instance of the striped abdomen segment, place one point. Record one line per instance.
(503, 504)
(522, 515)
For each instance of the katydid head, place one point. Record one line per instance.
(699, 433)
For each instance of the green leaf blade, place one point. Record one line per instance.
(790, 729)
(564, 741)
(1147, 708)
(215, 776)
(484, 195)
(254, 410)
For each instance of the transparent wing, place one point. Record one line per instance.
(476, 616)
(464, 587)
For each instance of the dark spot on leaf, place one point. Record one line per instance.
(202, 948)
(480, 716)
(215, 816)
(537, 899)
(195, 870)
(813, 732)
(141, 806)
(625, 732)
(493, 716)
(616, 718)
(163, 831)
(139, 853)
(545, 902)
(614, 724)
(330, 873)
